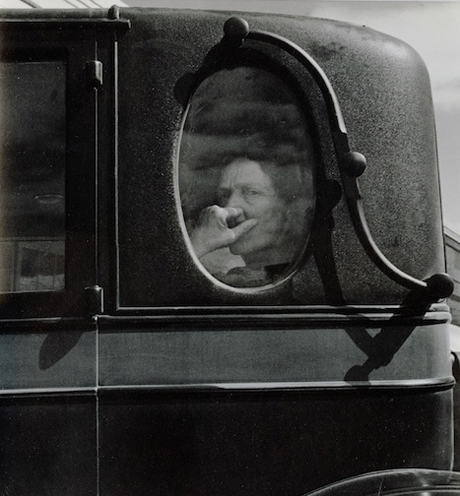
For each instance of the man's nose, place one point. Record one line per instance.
(234, 201)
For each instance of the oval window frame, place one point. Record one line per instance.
(264, 64)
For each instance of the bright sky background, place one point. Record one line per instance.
(431, 27)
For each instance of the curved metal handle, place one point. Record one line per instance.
(351, 164)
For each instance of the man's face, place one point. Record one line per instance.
(244, 184)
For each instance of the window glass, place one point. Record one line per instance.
(246, 177)
(32, 176)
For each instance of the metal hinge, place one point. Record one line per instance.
(94, 300)
(94, 69)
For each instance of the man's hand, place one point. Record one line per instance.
(218, 228)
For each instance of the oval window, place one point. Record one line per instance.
(246, 177)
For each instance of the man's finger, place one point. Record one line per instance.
(219, 214)
(243, 228)
(235, 216)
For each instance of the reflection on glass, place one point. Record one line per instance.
(246, 177)
(32, 176)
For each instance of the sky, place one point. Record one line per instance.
(431, 27)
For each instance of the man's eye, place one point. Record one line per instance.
(251, 193)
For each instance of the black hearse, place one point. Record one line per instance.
(221, 258)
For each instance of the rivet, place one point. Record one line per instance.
(236, 28)
(353, 163)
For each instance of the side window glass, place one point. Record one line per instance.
(32, 176)
(246, 177)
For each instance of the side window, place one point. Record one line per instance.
(32, 176)
(246, 177)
